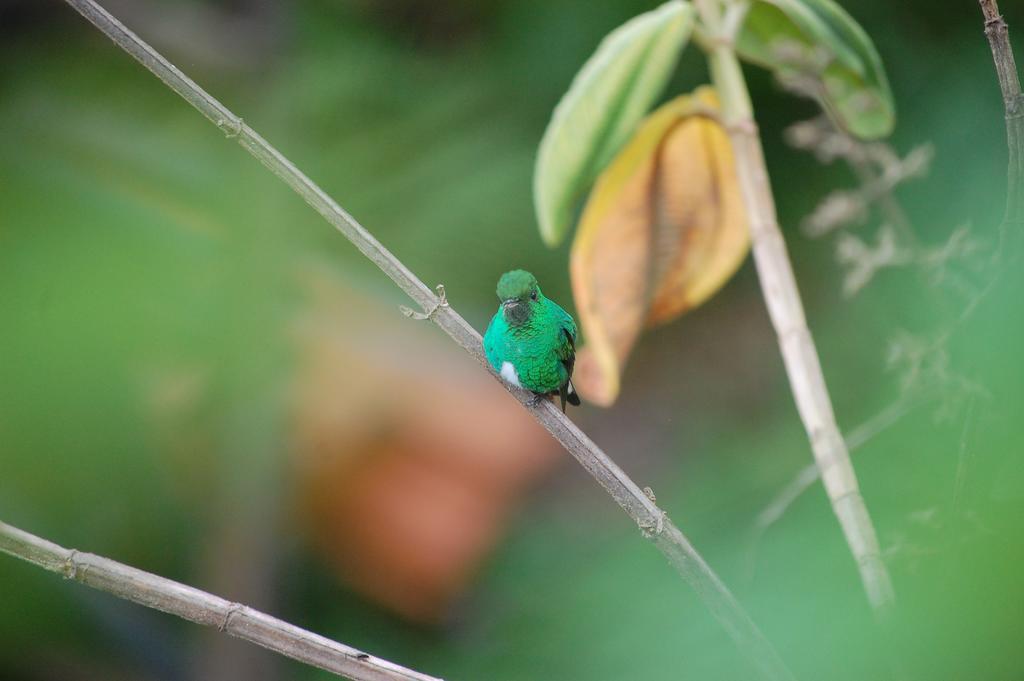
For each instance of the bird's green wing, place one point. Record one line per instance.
(566, 321)
(495, 340)
(566, 351)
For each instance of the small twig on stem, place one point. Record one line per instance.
(203, 608)
(778, 284)
(651, 519)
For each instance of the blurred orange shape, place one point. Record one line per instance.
(410, 456)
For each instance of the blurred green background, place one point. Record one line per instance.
(159, 394)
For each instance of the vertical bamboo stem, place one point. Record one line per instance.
(785, 308)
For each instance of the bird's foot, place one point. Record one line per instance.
(537, 399)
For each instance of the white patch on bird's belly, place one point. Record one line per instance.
(508, 372)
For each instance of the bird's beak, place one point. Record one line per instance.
(510, 303)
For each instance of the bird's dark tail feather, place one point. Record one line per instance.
(573, 396)
(567, 393)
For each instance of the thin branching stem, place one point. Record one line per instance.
(639, 506)
(786, 310)
(203, 608)
(809, 475)
(1012, 229)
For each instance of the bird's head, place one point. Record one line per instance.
(519, 294)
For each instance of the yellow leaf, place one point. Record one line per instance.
(663, 229)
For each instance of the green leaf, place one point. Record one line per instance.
(604, 104)
(818, 39)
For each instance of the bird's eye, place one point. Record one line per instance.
(533, 296)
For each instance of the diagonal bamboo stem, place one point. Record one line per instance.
(785, 308)
(639, 506)
(203, 608)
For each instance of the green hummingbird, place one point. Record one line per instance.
(531, 341)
